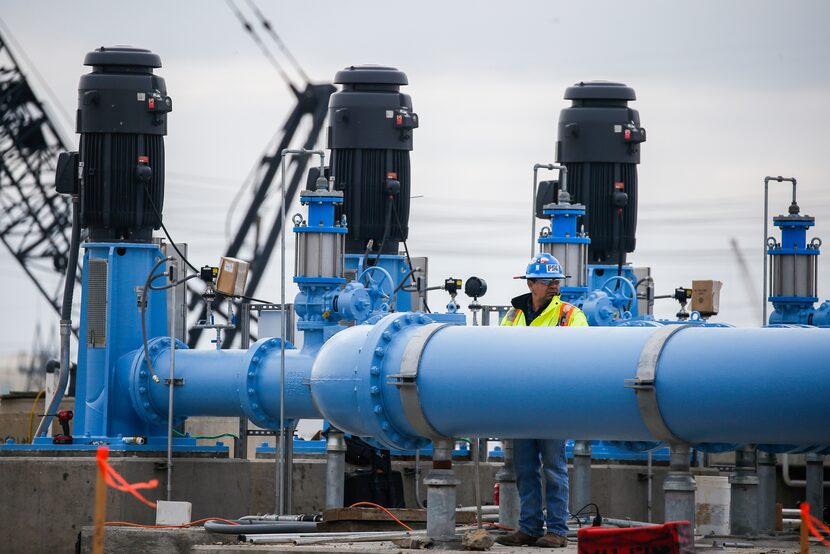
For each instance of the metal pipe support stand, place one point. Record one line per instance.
(335, 468)
(743, 506)
(581, 487)
(815, 483)
(508, 491)
(766, 491)
(679, 486)
(441, 484)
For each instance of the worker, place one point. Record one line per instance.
(542, 307)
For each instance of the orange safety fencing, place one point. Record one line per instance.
(114, 480)
(814, 524)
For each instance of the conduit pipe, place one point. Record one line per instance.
(713, 385)
(789, 481)
(66, 320)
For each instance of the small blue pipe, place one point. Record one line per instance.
(227, 383)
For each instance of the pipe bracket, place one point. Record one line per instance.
(643, 384)
(407, 381)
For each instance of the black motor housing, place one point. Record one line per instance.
(370, 136)
(599, 142)
(122, 118)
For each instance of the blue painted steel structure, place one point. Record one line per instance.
(388, 284)
(110, 329)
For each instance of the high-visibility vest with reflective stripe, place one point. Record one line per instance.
(557, 314)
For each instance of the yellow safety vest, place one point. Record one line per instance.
(557, 314)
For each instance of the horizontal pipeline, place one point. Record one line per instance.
(713, 385)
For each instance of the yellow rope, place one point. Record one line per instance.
(29, 437)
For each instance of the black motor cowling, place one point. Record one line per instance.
(599, 142)
(122, 118)
(370, 136)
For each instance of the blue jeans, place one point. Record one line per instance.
(529, 456)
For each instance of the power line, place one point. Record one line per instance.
(267, 53)
(280, 44)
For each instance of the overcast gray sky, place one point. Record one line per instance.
(728, 91)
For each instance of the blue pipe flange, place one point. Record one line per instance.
(383, 336)
(140, 374)
(249, 397)
(373, 406)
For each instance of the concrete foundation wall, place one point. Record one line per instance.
(44, 502)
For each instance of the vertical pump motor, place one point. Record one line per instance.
(599, 142)
(370, 136)
(122, 118)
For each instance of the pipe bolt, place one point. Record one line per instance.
(378, 409)
(252, 374)
(142, 390)
(379, 352)
(397, 325)
(387, 336)
(255, 360)
(251, 392)
(384, 425)
(142, 373)
(146, 405)
(374, 391)
(154, 348)
(375, 370)
(255, 406)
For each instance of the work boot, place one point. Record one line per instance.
(552, 540)
(517, 539)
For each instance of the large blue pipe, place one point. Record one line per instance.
(714, 385)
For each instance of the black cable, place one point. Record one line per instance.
(280, 44)
(643, 280)
(166, 233)
(403, 281)
(249, 28)
(386, 228)
(620, 245)
(597, 519)
(408, 258)
(252, 299)
(142, 308)
(170, 285)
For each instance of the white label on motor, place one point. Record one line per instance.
(618, 128)
(228, 266)
(389, 114)
(140, 96)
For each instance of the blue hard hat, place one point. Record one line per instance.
(543, 266)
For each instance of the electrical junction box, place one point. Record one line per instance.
(233, 274)
(173, 513)
(706, 297)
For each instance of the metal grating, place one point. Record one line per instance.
(96, 304)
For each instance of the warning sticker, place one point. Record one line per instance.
(140, 96)
(618, 128)
(389, 114)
